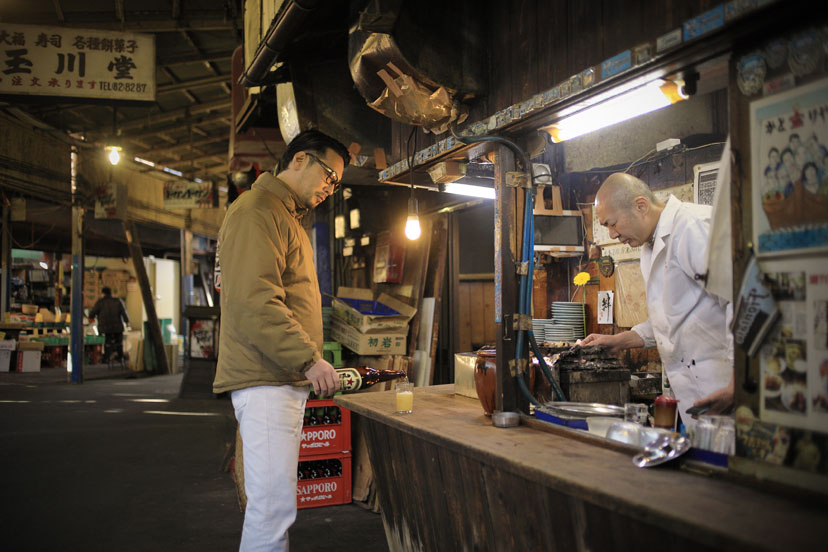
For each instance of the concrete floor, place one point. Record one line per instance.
(124, 464)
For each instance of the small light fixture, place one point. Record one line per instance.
(613, 107)
(412, 223)
(44, 265)
(114, 154)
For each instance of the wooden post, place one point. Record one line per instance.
(508, 393)
(76, 305)
(146, 293)
(439, 245)
(5, 259)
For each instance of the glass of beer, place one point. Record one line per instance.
(405, 397)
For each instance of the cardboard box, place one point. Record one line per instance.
(464, 374)
(28, 356)
(357, 307)
(390, 342)
(6, 348)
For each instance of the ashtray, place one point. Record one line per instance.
(662, 450)
(505, 419)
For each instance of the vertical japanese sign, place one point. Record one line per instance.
(81, 63)
(605, 307)
(110, 201)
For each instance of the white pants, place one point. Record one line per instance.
(270, 422)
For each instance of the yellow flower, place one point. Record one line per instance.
(581, 278)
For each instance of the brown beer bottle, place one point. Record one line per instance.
(359, 377)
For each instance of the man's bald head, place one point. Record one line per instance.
(627, 207)
(622, 189)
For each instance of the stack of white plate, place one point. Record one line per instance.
(568, 316)
(539, 329)
(558, 332)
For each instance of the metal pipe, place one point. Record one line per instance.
(282, 30)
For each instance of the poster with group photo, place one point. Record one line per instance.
(794, 358)
(789, 140)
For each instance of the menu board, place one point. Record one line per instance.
(794, 358)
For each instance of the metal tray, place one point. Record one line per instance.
(662, 450)
(582, 410)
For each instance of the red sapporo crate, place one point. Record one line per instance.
(325, 438)
(326, 491)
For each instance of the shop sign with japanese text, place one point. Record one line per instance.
(80, 63)
(182, 194)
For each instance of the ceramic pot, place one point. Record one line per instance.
(485, 379)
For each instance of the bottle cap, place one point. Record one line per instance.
(665, 400)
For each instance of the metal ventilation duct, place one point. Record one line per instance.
(415, 62)
(282, 31)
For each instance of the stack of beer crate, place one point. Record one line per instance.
(91, 288)
(324, 470)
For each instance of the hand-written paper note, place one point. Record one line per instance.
(631, 307)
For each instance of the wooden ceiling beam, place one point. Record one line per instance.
(144, 122)
(187, 160)
(195, 83)
(58, 11)
(147, 23)
(138, 134)
(194, 58)
(185, 144)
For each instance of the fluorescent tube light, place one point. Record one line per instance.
(143, 161)
(621, 107)
(469, 190)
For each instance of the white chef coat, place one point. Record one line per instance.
(689, 325)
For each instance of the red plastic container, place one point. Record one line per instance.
(326, 491)
(326, 438)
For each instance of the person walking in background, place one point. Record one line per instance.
(112, 316)
(271, 328)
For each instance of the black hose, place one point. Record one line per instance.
(525, 391)
(546, 371)
(527, 166)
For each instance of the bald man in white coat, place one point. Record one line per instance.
(688, 325)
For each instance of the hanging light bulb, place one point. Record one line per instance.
(114, 154)
(412, 223)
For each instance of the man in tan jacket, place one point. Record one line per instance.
(271, 327)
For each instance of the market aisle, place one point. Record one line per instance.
(123, 464)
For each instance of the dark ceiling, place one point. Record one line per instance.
(187, 128)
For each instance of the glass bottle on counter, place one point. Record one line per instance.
(360, 377)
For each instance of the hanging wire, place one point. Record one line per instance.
(409, 154)
(35, 242)
(264, 143)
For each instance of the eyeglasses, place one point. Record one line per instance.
(331, 177)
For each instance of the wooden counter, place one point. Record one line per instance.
(449, 480)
